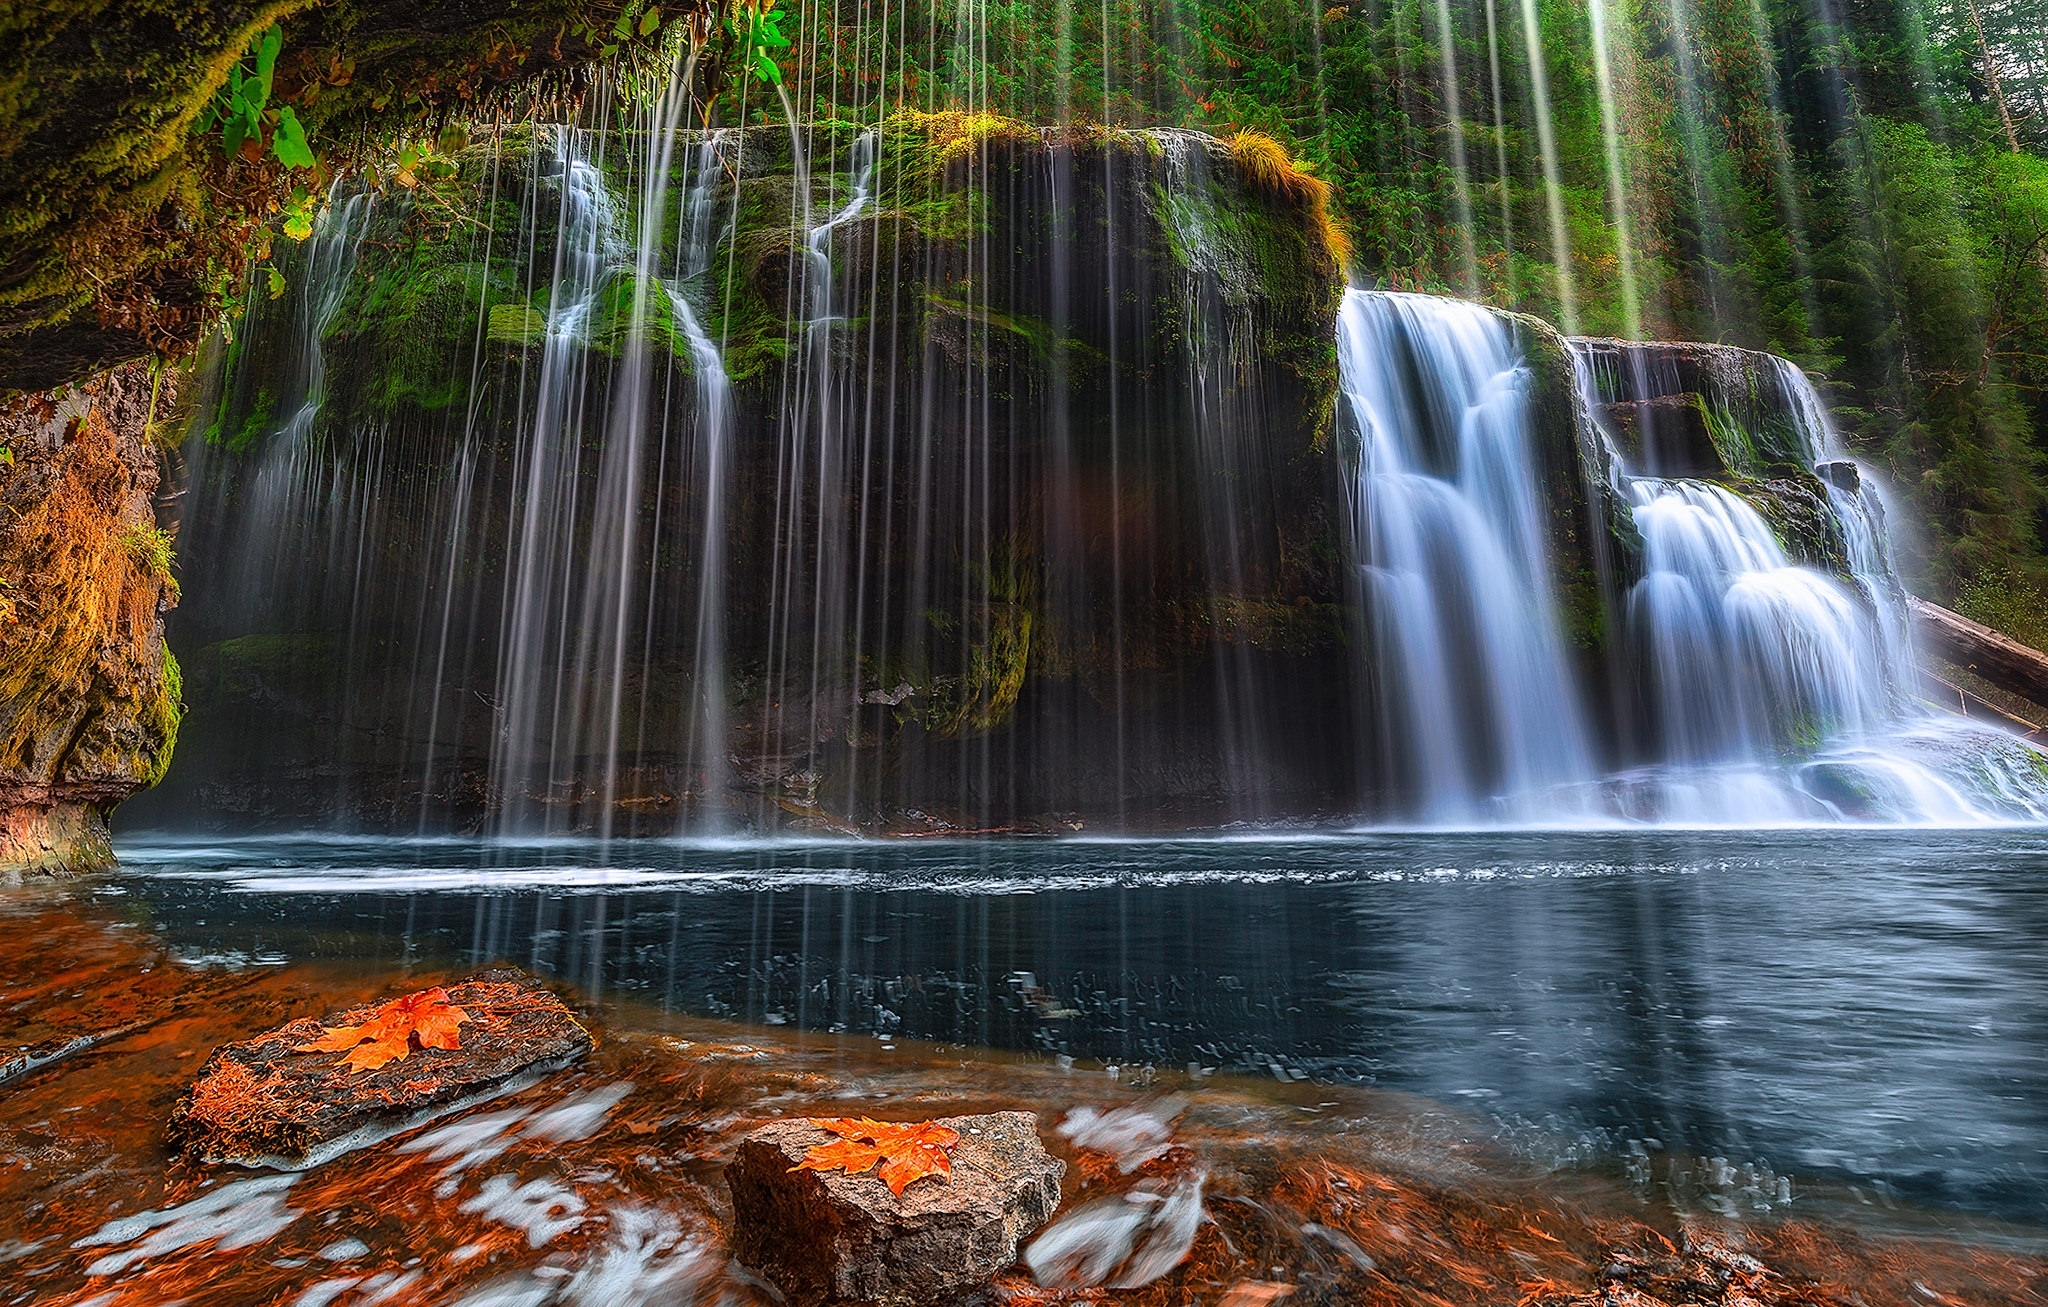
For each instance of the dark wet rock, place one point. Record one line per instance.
(1666, 435)
(1747, 400)
(261, 1102)
(1801, 516)
(829, 1237)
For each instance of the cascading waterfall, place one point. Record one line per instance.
(606, 626)
(1747, 654)
(1478, 711)
(815, 572)
(1769, 689)
(291, 470)
(1017, 501)
(331, 261)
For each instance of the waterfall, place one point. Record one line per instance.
(1768, 687)
(330, 261)
(1746, 654)
(537, 696)
(1478, 710)
(705, 732)
(1218, 274)
(292, 477)
(995, 485)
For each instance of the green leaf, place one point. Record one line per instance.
(765, 69)
(650, 20)
(289, 145)
(234, 133)
(267, 46)
(624, 27)
(276, 283)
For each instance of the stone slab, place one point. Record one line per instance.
(260, 1102)
(826, 1237)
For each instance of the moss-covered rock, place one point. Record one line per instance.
(90, 697)
(1740, 404)
(123, 230)
(1595, 549)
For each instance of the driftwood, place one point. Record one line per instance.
(1999, 659)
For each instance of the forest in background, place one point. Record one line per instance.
(1859, 185)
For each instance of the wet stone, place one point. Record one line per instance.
(826, 1237)
(263, 1102)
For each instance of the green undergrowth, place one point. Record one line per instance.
(150, 546)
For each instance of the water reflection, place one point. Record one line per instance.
(1864, 1005)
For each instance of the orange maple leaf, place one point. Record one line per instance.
(907, 1152)
(387, 1036)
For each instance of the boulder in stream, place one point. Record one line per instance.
(827, 1237)
(268, 1101)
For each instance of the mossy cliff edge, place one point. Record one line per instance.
(89, 693)
(123, 229)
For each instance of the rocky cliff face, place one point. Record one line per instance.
(89, 693)
(1026, 500)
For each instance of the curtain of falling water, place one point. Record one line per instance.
(538, 695)
(705, 740)
(611, 614)
(1222, 349)
(1477, 710)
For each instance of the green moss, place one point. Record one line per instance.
(254, 427)
(164, 715)
(1731, 438)
(1582, 612)
(516, 324)
(983, 696)
(1015, 336)
(1798, 512)
(255, 666)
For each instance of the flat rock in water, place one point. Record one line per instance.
(829, 1237)
(262, 1102)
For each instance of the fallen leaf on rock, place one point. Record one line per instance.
(387, 1036)
(907, 1152)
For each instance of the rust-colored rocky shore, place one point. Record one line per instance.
(605, 1182)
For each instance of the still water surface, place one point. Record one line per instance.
(1856, 1006)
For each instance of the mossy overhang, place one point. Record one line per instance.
(118, 221)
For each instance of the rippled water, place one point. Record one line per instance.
(1857, 1006)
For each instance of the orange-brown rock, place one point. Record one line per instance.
(826, 1237)
(89, 694)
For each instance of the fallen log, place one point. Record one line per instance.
(1999, 659)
